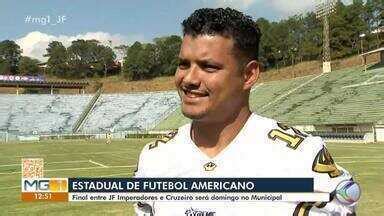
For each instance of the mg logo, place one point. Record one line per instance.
(44, 185)
(36, 185)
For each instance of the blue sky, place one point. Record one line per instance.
(122, 22)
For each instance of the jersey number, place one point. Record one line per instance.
(293, 141)
(324, 163)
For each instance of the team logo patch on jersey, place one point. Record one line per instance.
(324, 163)
(195, 212)
(210, 166)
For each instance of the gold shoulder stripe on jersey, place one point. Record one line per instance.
(303, 208)
(165, 139)
(324, 163)
(292, 140)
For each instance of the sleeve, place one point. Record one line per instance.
(148, 162)
(327, 177)
(142, 208)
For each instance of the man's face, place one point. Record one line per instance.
(209, 81)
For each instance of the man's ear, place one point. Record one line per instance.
(251, 74)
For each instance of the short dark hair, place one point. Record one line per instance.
(228, 23)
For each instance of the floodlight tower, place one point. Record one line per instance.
(323, 10)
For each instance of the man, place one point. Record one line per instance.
(108, 137)
(217, 68)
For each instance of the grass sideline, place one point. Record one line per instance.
(70, 158)
(67, 158)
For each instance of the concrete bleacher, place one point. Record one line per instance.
(56, 114)
(121, 112)
(330, 99)
(27, 114)
(348, 96)
(262, 94)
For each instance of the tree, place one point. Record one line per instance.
(80, 58)
(311, 46)
(168, 50)
(374, 18)
(58, 59)
(28, 66)
(10, 54)
(87, 58)
(131, 68)
(103, 59)
(267, 49)
(299, 37)
(347, 26)
(278, 31)
(285, 42)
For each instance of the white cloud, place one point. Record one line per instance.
(34, 44)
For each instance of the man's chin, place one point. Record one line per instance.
(193, 114)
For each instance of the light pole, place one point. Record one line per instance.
(278, 59)
(363, 57)
(361, 36)
(293, 51)
(105, 62)
(323, 10)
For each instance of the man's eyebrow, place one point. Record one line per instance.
(209, 61)
(206, 61)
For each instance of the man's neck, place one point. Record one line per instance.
(212, 137)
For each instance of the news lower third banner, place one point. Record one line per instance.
(170, 189)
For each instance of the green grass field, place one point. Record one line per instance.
(70, 158)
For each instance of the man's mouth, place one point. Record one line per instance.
(194, 93)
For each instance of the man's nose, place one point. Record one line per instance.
(192, 77)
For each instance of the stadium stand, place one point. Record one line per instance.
(346, 100)
(121, 112)
(331, 100)
(346, 104)
(57, 114)
(263, 95)
(28, 114)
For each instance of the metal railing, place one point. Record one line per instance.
(79, 123)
